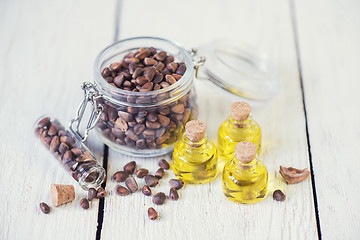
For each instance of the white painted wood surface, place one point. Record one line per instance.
(203, 212)
(47, 49)
(330, 69)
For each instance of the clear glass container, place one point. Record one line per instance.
(74, 156)
(122, 116)
(232, 132)
(195, 162)
(245, 182)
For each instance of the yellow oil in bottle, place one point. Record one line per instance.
(231, 132)
(245, 180)
(240, 126)
(195, 158)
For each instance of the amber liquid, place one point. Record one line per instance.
(195, 162)
(245, 183)
(231, 132)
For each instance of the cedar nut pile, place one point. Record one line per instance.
(151, 181)
(131, 187)
(143, 71)
(142, 127)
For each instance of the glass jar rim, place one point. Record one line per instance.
(189, 63)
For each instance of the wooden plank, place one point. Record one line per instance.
(331, 85)
(203, 212)
(47, 48)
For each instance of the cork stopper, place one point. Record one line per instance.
(240, 111)
(61, 194)
(245, 151)
(195, 130)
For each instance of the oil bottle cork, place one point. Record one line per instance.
(240, 111)
(61, 194)
(195, 130)
(245, 151)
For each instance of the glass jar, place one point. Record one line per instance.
(142, 124)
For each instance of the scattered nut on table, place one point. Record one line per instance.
(279, 196)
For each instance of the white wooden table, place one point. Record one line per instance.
(47, 49)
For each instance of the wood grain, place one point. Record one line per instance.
(203, 212)
(47, 49)
(330, 63)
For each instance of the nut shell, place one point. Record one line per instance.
(292, 175)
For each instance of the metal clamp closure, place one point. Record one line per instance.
(199, 60)
(91, 94)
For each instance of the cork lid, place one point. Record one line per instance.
(61, 194)
(239, 69)
(240, 111)
(195, 130)
(245, 151)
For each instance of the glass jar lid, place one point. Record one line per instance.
(239, 69)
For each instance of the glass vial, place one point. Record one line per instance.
(240, 126)
(245, 177)
(72, 154)
(195, 157)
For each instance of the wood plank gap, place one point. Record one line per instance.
(118, 9)
(102, 200)
(100, 219)
(298, 59)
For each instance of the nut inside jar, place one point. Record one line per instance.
(151, 103)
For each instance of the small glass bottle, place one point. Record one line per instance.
(71, 154)
(238, 127)
(245, 177)
(195, 157)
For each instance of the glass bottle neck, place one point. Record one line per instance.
(244, 166)
(195, 146)
(240, 124)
